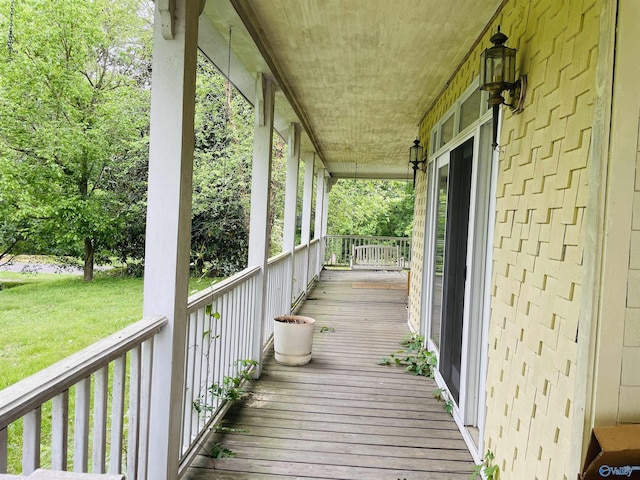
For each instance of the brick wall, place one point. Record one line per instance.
(537, 257)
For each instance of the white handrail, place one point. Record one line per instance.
(91, 366)
(201, 298)
(26, 395)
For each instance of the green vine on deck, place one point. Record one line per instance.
(416, 359)
(486, 468)
(230, 389)
(441, 395)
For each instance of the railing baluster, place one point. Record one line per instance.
(189, 394)
(59, 431)
(217, 377)
(117, 414)
(31, 441)
(4, 450)
(208, 366)
(198, 354)
(133, 439)
(236, 323)
(248, 308)
(81, 426)
(100, 394)
(225, 336)
(145, 407)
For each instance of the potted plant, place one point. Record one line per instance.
(293, 339)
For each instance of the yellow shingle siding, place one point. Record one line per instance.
(417, 249)
(537, 257)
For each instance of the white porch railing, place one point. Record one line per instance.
(220, 336)
(102, 389)
(300, 268)
(315, 263)
(278, 298)
(338, 248)
(103, 392)
(219, 340)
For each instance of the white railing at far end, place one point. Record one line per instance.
(100, 394)
(338, 248)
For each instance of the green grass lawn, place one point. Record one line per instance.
(52, 316)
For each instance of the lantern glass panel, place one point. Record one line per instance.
(415, 153)
(497, 65)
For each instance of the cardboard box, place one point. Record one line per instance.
(613, 453)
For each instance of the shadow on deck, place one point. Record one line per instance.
(342, 416)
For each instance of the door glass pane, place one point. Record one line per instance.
(441, 224)
(455, 266)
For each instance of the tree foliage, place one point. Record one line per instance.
(73, 103)
(370, 207)
(222, 176)
(74, 124)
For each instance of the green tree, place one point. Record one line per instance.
(370, 207)
(222, 176)
(73, 103)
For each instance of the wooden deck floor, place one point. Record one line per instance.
(342, 416)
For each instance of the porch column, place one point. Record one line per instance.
(307, 196)
(259, 231)
(328, 184)
(290, 207)
(320, 193)
(322, 204)
(168, 233)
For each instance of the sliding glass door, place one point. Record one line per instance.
(450, 256)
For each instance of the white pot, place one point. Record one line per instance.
(292, 339)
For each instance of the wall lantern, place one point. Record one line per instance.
(497, 74)
(416, 159)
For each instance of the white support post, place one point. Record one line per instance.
(305, 237)
(325, 206)
(328, 184)
(168, 233)
(320, 193)
(291, 190)
(290, 209)
(322, 207)
(307, 197)
(259, 220)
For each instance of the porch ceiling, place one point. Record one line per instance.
(358, 75)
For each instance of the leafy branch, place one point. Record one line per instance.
(441, 395)
(486, 468)
(414, 357)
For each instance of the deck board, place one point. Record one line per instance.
(342, 416)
